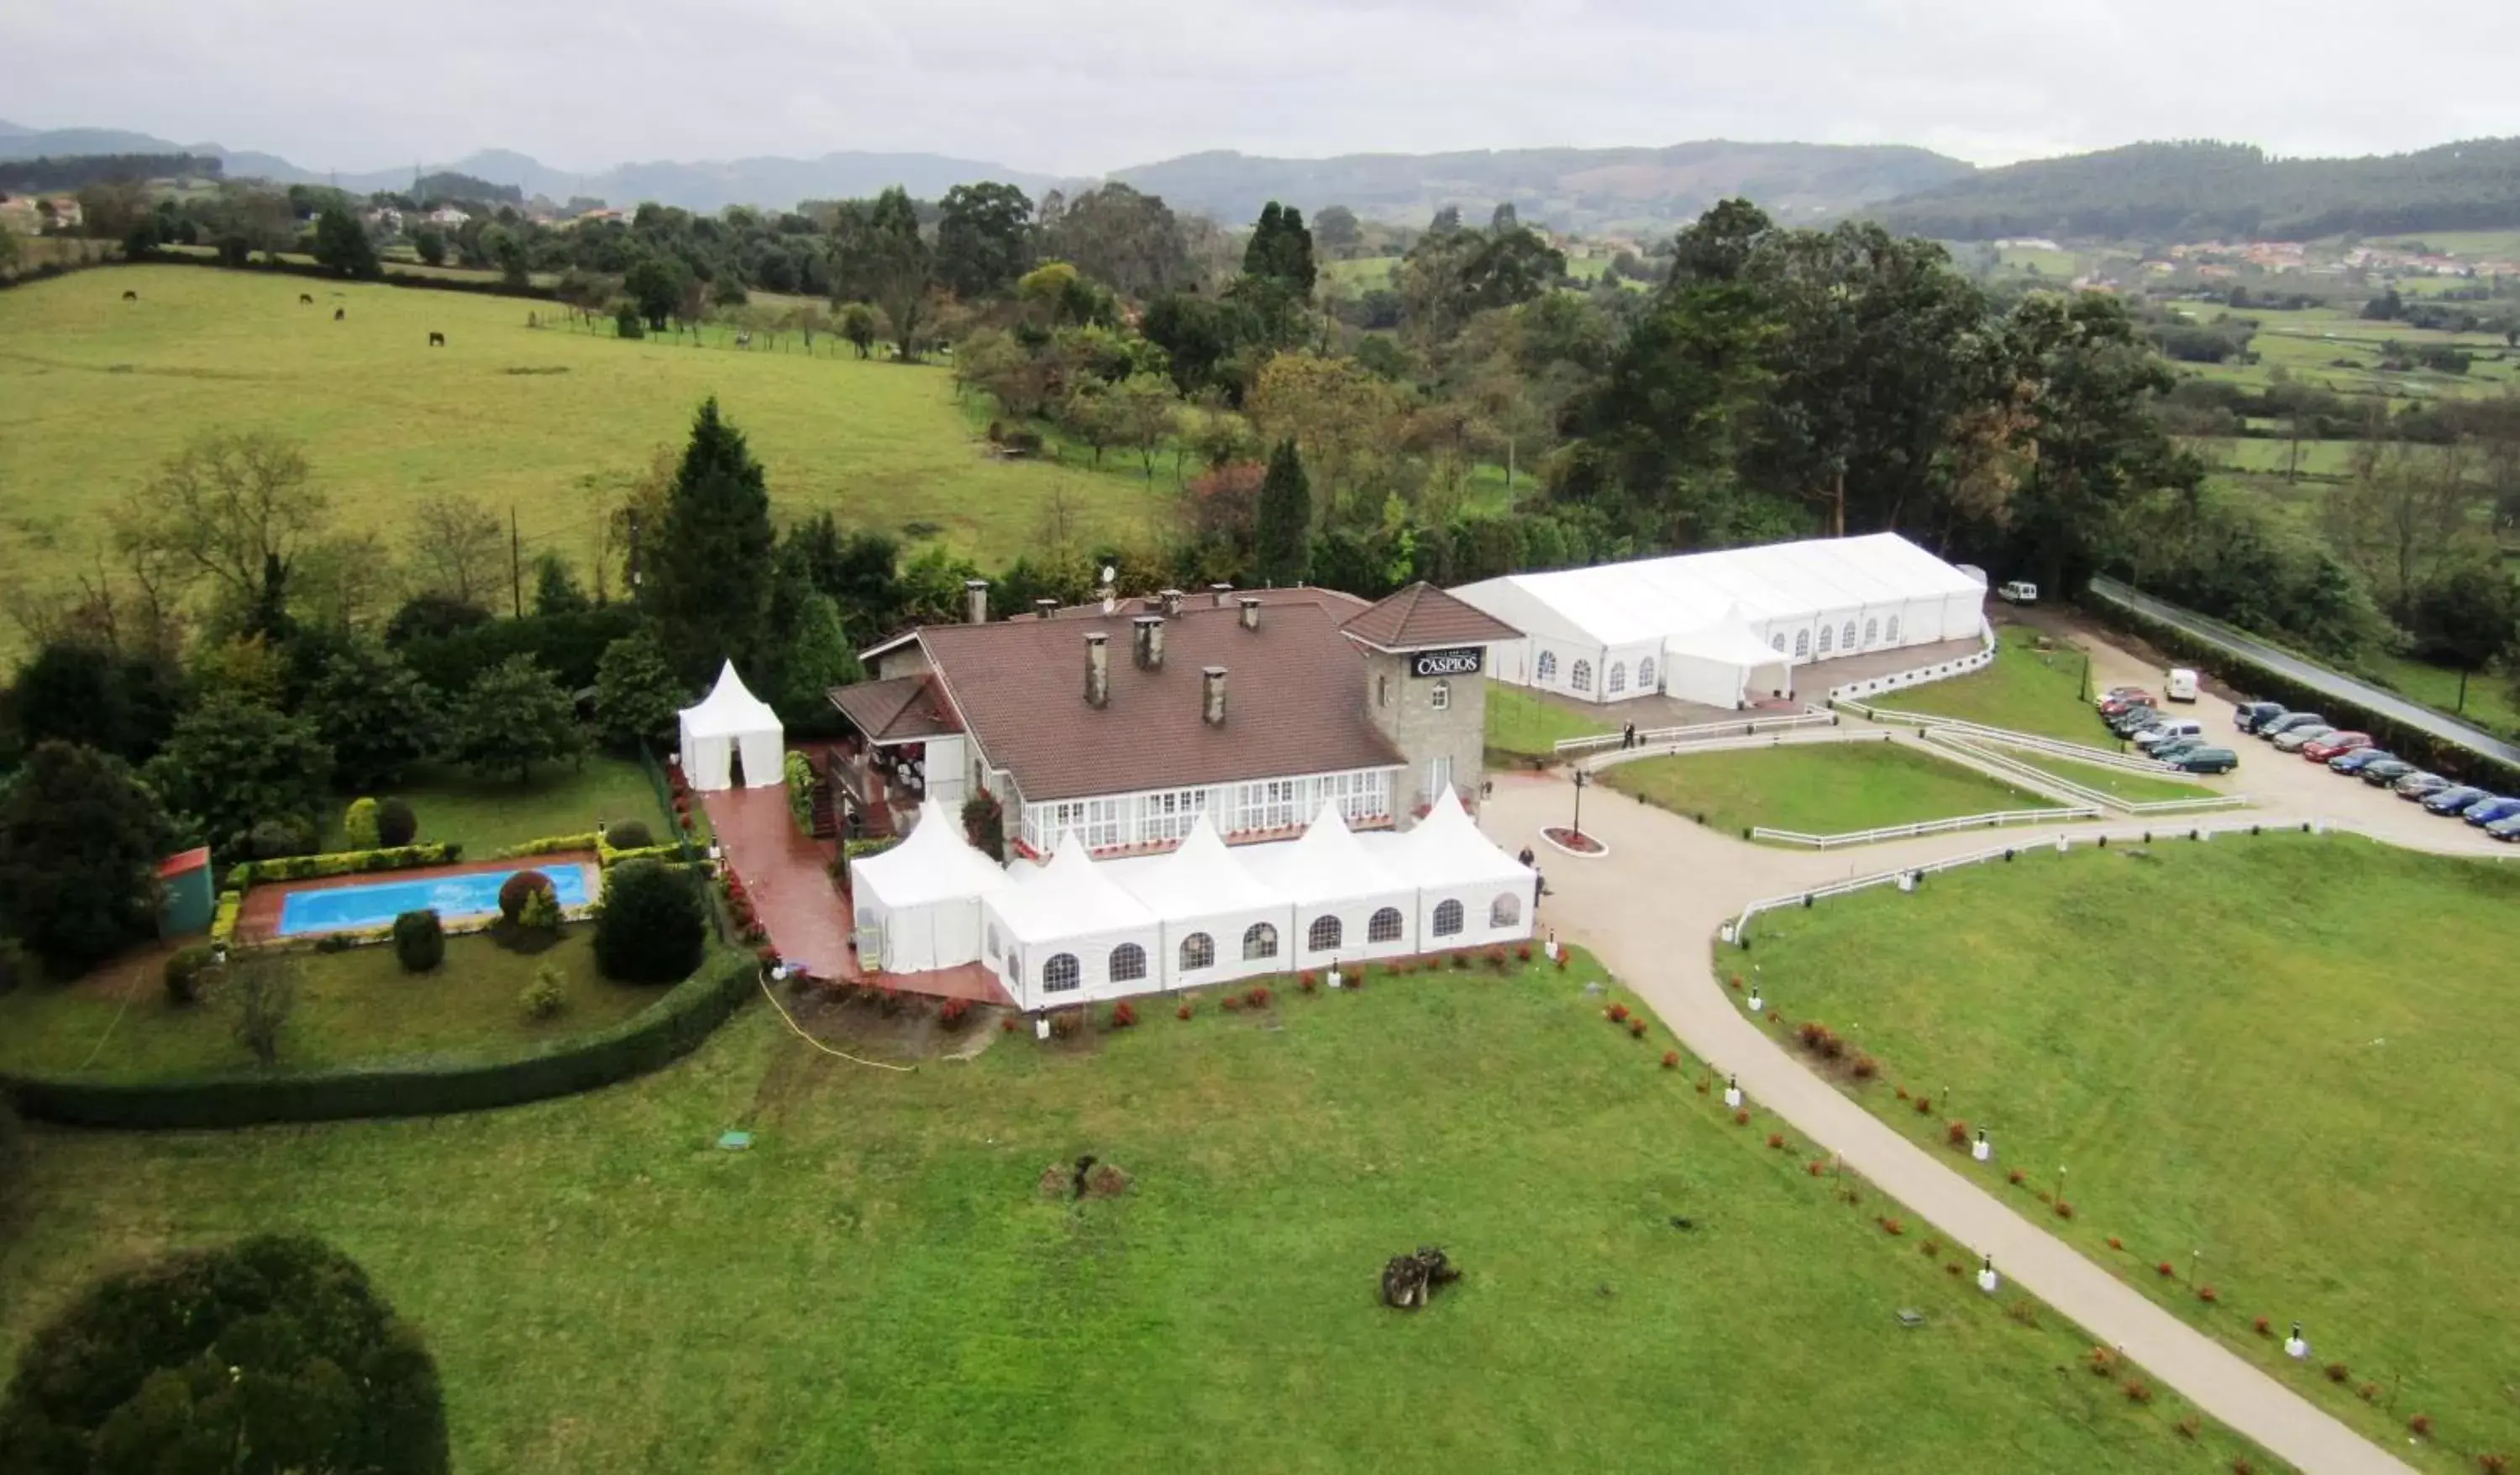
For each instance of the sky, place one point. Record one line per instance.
(1093, 85)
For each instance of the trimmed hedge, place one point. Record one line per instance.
(223, 927)
(307, 867)
(657, 1036)
(2440, 755)
(553, 844)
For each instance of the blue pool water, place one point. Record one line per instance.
(342, 908)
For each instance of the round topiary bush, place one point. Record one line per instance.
(628, 835)
(359, 825)
(144, 1363)
(184, 970)
(396, 824)
(273, 840)
(420, 940)
(516, 890)
(652, 927)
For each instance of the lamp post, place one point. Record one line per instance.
(1582, 779)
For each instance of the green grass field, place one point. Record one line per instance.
(1816, 788)
(1524, 723)
(878, 1283)
(485, 814)
(2026, 690)
(2133, 788)
(355, 1006)
(2290, 1055)
(2336, 350)
(96, 393)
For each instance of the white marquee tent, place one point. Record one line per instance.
(1219, 920)
(919, 903)
(1068, 932)
(1722, 627)
(1470, 893)
(728, 721)
(1347, 905)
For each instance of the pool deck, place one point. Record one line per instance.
(258, 923)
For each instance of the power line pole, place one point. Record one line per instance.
(516, 563)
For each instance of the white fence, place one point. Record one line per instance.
(2031, 773)
(1925, 827)
(1697, 733)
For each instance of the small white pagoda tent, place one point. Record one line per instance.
(1470, 893)
(1218, 922)
(1347, 905)
(1068, 932)
(728, 721)
(919, 903)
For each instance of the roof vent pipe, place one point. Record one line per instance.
(1211, 695)
(1250, 612)
(1097, 670)
(1222, 592)
(975, 601)
(1149, 638)
(1172, 599)
(1043, 610)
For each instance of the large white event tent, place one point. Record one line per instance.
(1067, 932)
(1347, 905)
(1470, 893)
(1218, 922)
(919, 903)
(728, 721)
(1728, 627)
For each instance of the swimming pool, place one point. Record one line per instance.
(454, 898)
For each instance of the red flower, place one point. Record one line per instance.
(2166, 1270)
(1671, 1059)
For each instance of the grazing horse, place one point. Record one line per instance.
(437, 340)
(306, 298)
(339, 313)
(131, 296)
(744, 340)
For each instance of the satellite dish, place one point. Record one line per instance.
(1111, 575)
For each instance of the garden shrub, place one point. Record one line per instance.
(628, 835)
(359, 825)
(184, 970)
(543, 996)
(304, 867)
(515, 891)
(542, 913)
(420, 940)
(396, 824)
(277, 839)
(652, 926)
(954, 1011)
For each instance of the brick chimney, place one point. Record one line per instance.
(1097, 670)
(975, 601)
(1250, 612)
(1211, 695)
(1148, 639)
(1043, 610)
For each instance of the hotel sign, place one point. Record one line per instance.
(1462, 660)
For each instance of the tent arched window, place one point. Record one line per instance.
(1894, 629)
(1848, 639)
(1872, 629)
(995, 946)
(1128, 962)
(1440, 697)
(1802, 644)
(1618, 678)
(1198, 950)
(1383, 925)
(1581, 679)
(1547, 670)
(1261, 941)
(1060, 974)
(1324, 934)
(1828, 635)
(1646, 675)
(1776, 643)
(1448, 920)
(1506, 911)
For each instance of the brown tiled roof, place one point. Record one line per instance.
(904, 709)
(1294, 700)
(1421, 616)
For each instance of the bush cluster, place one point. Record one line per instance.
(420, 940)
(183, 973)
(652, 926)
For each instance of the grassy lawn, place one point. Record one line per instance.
(2317, 1096)
(2027, 689)
(1816, 788)
(1523, 722)
(353, 1005)
(2135, 788)
(879, 1284)
(2489, 692)
(488, 813)
(550, 421)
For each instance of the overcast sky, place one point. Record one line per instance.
(1097, 84)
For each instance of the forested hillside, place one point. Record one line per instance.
(2193, 191)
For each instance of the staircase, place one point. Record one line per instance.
(826, 816)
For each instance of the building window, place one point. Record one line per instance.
(1448, 920)
(1507, 911)
(1060, 975)
(1848, 639)
(1198, 950)
(1260, 942)
(1547, 670)
(1439, 776)
(1015, 969)
(1267, 805)
(1096, 823)
(1778, 643)
(1894, 629)
(1169, 815)
(1872, 632)
(1802, 644)
(1581, 679)
(1384, 926)
(1382, 691)
(1128, 962)
(1828, 634)
(1324, 934)
(1441, 698)
(1618, 681)
(1646, 675)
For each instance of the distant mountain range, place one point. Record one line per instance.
(1571, 189)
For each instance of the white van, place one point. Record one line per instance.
(2164, 731)
(2182, 686)
(2018, 591)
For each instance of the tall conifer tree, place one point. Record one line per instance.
(708, 582)
(1285, 536)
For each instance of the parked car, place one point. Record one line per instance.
(2276, 725)
(2419, 786)
(2450, 800)
(2485, 810)
(2182, 686)
(2162, 732)
(2124, 698)
(2164, 753)
(2351, 761)
(2129, 718)
(2249, 714)
(2334, 746)
(2206, 760)
(2294, 739)
(2383, 771)
(2114, 692)
(2506, 829)
(2018, 591)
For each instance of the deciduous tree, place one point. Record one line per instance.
(456, 548)
(341, 243)
(636, 692)
(237, 508)
(376, 714)
(2467, 618)
(234, 763)
(514, 716)
(984, 239)
(80, 840)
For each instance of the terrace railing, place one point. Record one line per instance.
(1993, 820)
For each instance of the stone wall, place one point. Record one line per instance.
(1403, 706)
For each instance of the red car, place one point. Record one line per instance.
(2333, 745)
(2119, 701)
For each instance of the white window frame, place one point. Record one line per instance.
(1646, 675)
(1580, 677)
(1440, 695)
(1546, 668)
(1617, 680)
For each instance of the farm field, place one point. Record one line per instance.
(1816, 788)
(2027, 689)
(2231, 1072)
(880, 1283)
(2339, 350)
(551, 421)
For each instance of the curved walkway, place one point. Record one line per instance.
(1652, 911)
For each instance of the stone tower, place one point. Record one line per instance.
(1426, 688)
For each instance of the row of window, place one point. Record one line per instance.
(1873, 634)
(1580, 677)
(1128, 961)
(1167, 816)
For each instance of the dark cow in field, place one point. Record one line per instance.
(437, 340)
(339, 313)
(131, 296)
(308, 299)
